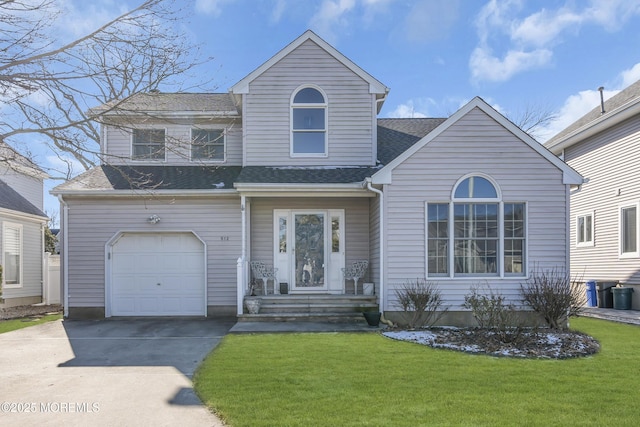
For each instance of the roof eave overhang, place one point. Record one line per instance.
(171, 114)
(299, 190)
(18, 215)
(138, 193)
(600, 124)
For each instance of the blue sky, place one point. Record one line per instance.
(434, 55)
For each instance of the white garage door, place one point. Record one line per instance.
(158, 275)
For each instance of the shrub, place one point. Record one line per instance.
(491, 311)
(555, 295)
(421, 302)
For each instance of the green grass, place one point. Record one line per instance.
(365, 379)
(25, 322)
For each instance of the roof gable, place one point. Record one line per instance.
(570, 176)
(10, 199)
(375, 86)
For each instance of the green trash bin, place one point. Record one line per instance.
(622, 298)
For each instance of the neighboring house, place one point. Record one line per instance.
(292, 168)
(22, 224)
(605, 210)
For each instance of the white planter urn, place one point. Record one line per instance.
(253, 305)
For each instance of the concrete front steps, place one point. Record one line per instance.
(312, 308)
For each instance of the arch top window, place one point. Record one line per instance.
(475, 187)
(308, 123)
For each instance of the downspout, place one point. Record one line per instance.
(65, 254)
(381, 240)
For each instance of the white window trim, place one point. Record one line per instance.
(164, 160)
(18, 227)
(588, 243)
(501, 274)
(224, 145)
(326, 122)
(635, 254)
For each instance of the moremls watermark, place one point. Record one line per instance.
(50, 407)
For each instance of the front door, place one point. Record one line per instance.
(309, 249)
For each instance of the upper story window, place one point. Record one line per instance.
(474, 234)
(308, 123)
(148, 144)
(208, 144)
(12, 254)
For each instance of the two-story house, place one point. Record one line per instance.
(605, 210)
(292, 168)
(22, 224)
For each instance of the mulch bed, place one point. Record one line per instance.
(20, 311)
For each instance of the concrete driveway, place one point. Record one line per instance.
(106, 373)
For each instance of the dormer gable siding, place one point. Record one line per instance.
(350, 109)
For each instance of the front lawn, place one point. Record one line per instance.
(25, 322)
(360, 379)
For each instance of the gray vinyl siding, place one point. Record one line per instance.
(474, 144)
(356, 224)
(267, 111)
(609, 162)
(27, 186)
(93, 221)
(177, 148)
(32, 255)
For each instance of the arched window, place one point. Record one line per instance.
(308, 123)
(477, 233)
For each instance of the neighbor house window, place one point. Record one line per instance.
(584, 230)
(148, 144)
(308, 123)
(208, 144)
(476, 234)
(629, 230)
(12, 254)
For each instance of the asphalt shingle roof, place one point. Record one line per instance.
(108, 177)
(171, 102)
(610, 105)
(12, 200)
(394, 137)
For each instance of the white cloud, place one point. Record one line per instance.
(63, 165)
(529, 40)
(413, 108)
(630, 76)
(485, 66)
(430, 20)
(211, 7)
(331, 14)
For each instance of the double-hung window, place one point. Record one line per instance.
(629, 231)
(476, 234)
(208, 144)
(584, 230)
(308, 123)
(148, 144)
(12, 254)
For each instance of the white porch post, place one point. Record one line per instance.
(242, 261)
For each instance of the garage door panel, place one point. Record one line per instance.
(158, 275)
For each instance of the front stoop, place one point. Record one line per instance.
(312, 308)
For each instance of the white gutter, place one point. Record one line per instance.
(65, 254)
(142, 192)
(243, 256)
(603, 122)
(381, 239)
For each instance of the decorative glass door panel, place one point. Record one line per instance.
(309, 250)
